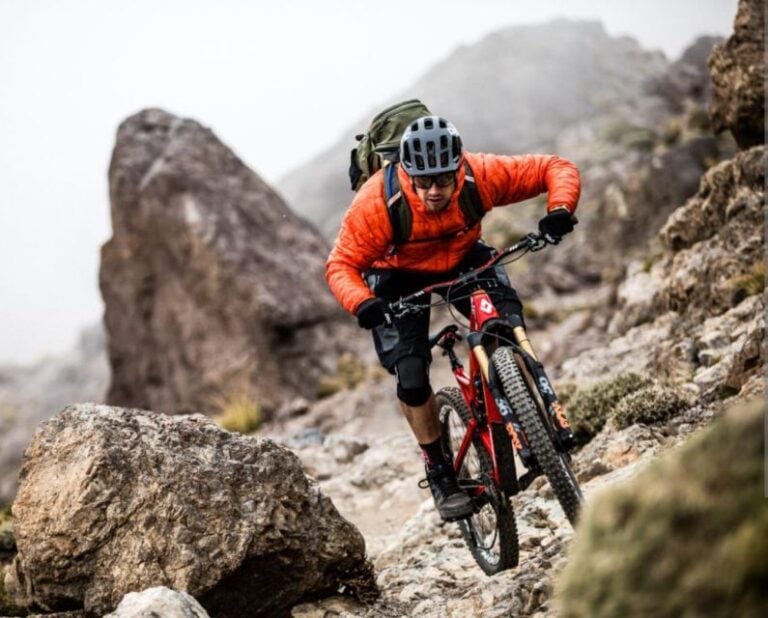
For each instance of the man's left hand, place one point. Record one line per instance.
(557, 224)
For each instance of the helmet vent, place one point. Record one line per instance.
(417, 145)
(428, 124)
(431, 159)
(442, 124)
(443, 142)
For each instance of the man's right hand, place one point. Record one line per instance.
(371, 314)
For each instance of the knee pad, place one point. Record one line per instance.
(413, 387)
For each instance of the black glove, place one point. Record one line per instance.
(371, 314)
(557, 224)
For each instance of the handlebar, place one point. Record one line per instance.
(530, 242)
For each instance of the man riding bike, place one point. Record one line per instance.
(367, 269)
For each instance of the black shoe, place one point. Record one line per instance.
(451, 502)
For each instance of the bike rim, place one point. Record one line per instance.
(483, 525)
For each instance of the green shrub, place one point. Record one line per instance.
(565, 391)
(590, 408)
(650, 404)
(686, 537)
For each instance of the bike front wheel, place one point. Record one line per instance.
(491, 532)
(556, 466)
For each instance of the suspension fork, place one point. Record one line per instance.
(511, 422)
(543, 386)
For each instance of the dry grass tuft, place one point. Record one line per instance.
(238, 413)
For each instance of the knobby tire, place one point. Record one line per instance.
(478, 466)
(555, 466)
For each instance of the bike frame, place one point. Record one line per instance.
(490, 409)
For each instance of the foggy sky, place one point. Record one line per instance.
(264, 77)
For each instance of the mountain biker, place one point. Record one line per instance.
(365, 270)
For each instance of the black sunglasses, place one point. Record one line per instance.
(441, 180)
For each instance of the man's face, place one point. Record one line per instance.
(435, 191)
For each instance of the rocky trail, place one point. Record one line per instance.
(650, 321)
(422, 566)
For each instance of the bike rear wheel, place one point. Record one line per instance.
(556, 466)
(491, 532)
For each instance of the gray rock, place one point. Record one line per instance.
(738, 73)
(213, 287)
(715, 238)
(115, 500)
(158, 602)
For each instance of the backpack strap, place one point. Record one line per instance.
(469, 199)
(401, 218)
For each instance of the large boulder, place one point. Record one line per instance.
(213, 288)
(738, 75)
(115, 500)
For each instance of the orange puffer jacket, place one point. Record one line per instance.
(365, 237)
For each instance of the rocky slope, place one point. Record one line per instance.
(213, 287)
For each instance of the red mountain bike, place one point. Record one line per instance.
(504, 404)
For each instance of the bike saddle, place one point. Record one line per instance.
(451, 329)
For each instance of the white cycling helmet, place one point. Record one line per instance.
(430, 145)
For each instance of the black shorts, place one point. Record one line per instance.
(409, 335)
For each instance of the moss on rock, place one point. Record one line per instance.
(589, 408)
(687, 537)
(650, 404)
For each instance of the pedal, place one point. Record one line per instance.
(453, 520)
(470, 485)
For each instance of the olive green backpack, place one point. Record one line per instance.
(380, 144)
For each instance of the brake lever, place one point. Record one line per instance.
(536, 242)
